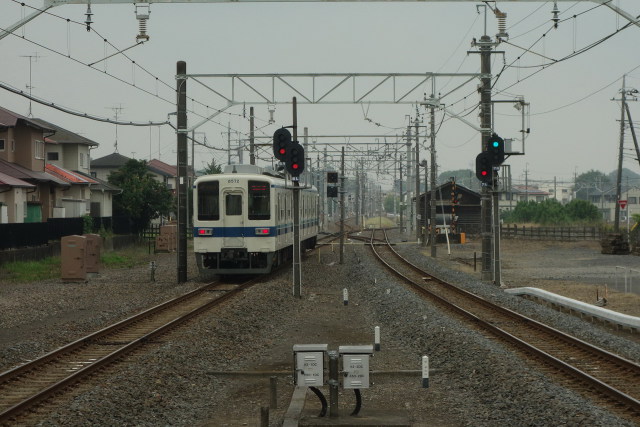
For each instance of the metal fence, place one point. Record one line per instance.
(551, 233)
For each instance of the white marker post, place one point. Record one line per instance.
(345, 296)
(376, 333)
(425, 372)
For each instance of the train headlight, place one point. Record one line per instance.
(202, 232)
(262, 231)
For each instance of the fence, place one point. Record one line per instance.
(551, 233)
(627, 280)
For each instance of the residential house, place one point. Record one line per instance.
(164, 173)
(29, 193)
(508, 199)
(103, 166)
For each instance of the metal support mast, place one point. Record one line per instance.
(417, 163)
(181, 71)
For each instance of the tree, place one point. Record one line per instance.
(142, 198)
(582, 210)
(213, 168)
(592, 182)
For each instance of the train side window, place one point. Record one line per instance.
(209, 201)
(259, 200)
(233, 203)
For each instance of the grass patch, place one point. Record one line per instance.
(126, 258)
(31, 271)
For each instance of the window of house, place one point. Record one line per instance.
(1, 144)
(94, 174)
(53, 155)
(81, 160)
(13, 145)
(39, 149)
(632, 200)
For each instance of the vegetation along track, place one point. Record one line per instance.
(616, 381)
(28, 385)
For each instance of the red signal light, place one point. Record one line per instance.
(295, 166)
(484, 173)
(283, 151)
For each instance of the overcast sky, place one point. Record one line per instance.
(574, 122)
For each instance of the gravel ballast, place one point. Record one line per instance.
(190, 377)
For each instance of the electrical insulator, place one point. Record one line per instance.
(555, 12)
(88, 21)
(142, 15)
(272, 109)
(502, 24)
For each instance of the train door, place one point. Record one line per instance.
(233, 218)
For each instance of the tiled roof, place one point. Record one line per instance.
(67, 175)
(162, 168)
(114, 160)
(6, 180)
(100, 185)
(63, 136)
(17, 171)
(10, 119)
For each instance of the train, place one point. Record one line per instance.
(243, 221)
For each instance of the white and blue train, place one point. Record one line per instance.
(243, 221)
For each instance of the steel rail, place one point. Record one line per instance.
(13, 375)
(619, 396)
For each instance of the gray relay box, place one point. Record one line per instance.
(355, 365)
(309, 364)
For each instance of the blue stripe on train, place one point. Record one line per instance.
(251, 231)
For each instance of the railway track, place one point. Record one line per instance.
(33, 383)
(616, 381)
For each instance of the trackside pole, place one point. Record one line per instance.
(297, 270)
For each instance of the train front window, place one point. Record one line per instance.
(208, 201)
(259, 201)
(233, 204)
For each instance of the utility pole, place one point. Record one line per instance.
(228, 143)
(623, 108)
(297, 270)
(252, 155)
(485, 45)
(182, 160)
(526, 183)
(342, 191)
(432, 221)
(401, 210)
(417, 163)
(408, 173)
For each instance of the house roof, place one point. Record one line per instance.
(99, 184)
(534, 191)
(19, 172)
(10, 119)
(69, 176)
(64, 136)
(9, 181)
(114, 160)
(161, 168)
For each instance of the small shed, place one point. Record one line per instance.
(455, 204)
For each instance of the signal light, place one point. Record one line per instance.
(496, 148)
(281, 143)
(294, 162)
(332, 177)
(484, 167)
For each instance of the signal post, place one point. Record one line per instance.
(290, 152)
